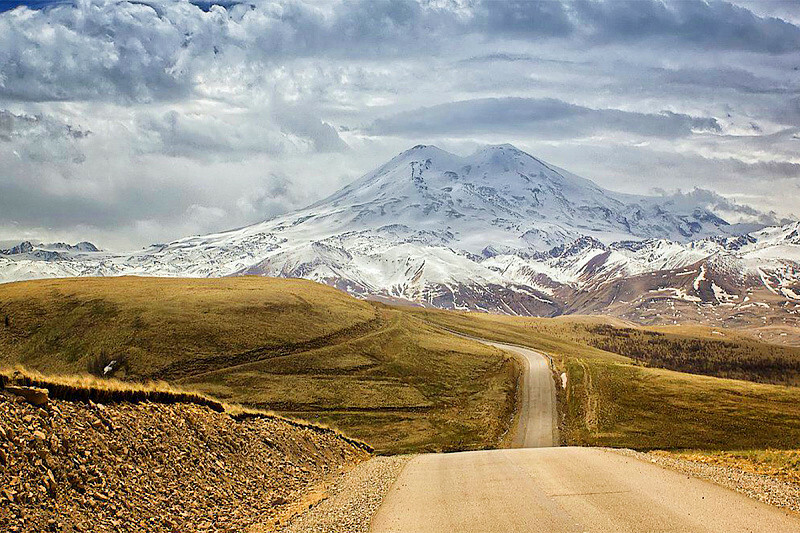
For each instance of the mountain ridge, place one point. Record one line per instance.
(498, 230)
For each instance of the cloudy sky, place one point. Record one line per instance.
(128, 123)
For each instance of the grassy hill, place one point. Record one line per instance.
(613, 400)
(719, 352)
(159, 324)
(397, 377)
(292, 346)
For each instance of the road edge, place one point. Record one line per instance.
(763, 488)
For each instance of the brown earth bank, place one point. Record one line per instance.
(84, 466)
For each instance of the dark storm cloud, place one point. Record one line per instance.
(697, 23)
(726, 77)
(147, 52)
(143, 52)
(649, 168)
(544, 118)
(129, 202)
(525, 18)
(788, 112)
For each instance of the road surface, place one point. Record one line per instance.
(561, 490)
(537, 423)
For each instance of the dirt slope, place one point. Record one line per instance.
(75, 466)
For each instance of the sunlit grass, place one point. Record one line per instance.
(612, 400)
(289, 346)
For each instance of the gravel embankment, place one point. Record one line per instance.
(353, 499)
(148, 467)
(758, 486)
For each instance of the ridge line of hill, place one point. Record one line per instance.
(209, 364)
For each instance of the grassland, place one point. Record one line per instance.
(702, 350)
(290, 346)
(712, 352)
(612, 400)
(396, 377)
(158, 324)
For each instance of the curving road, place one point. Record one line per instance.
(561, 490)
(537, 422)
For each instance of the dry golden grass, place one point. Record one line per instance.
(694, 349)
(392, 376)
(81, 387)
(611, 400)
(85, 387)
(155, 322)
(290, 346)
(781, 464)
(709, 351)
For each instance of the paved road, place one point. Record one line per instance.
(537, 423)
(561, 490)
(564, 490)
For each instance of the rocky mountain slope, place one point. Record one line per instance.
(500, 231)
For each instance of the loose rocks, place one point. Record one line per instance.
(72, 466)
(33, 395)
(760, 487)
(353, 500)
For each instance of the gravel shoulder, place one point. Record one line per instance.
(352, 500)
(764, 488)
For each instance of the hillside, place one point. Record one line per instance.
(62, 326)
(292, 346)
(718, 352)
(395, 376)
(82, 466)
(613, 400)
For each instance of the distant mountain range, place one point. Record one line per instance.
(498, 231)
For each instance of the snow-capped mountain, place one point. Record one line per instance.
(498, 230)
(504, 197)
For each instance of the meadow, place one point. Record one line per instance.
(291, 346)
(400, 378)
(614, 400)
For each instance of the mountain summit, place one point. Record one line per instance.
(506, 197)
(498, 230)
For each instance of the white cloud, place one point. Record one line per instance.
(133, 122)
